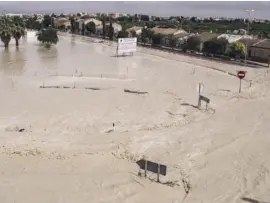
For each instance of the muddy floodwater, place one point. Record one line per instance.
(72, 126)
(69, 56)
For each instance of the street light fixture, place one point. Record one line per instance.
(249, 15)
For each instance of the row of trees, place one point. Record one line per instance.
(11, 27)
(216, 46)
(107, 30)
(15, 27)
(194, 25)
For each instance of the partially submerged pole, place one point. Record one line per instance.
(145, 169)
(158, 172)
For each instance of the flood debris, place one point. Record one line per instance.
(134, 92)
(15, 129)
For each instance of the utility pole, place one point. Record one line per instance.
(249, 15)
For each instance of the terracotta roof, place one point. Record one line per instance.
(164, 31)
(99, 26)
(207, 36)
(249, 42)
(181, 35)
(265, 44)
(97, 22)
(61, 21)
(135, 28)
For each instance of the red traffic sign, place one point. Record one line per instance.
(241, 74)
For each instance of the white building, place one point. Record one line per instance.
(97, 22)
(233, 38)
(137, 29)
(117, 27)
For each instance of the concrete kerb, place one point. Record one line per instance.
(166, 49)
(229, 73)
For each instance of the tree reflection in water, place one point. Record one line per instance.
(12, 62)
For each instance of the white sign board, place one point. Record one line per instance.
(126, 45)
(200, 88)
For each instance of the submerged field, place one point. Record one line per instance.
(67, 150)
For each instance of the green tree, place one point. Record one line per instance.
(47, 21)
(48, 36)
(17, 33)
(111, 30)
(122, 34)
(83, 29)
(91, 27)
(216, 46)
(193, 43)
(104, 26)
(172, 40)
(238, 49)
(72, 23)
(156, 39)
(11, 27)
(133, 33)
(5, 30)
(18, 28)
(144, 17)
(146, 35)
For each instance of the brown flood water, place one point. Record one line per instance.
(70, 56)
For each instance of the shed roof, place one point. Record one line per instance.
(265, 44)
(205, 36)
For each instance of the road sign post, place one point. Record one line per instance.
(157, 168)
(241, 75)
(268, 61)
(199, 90)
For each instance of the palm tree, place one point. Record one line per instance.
(11, 27)
(18, 28)
(72, 23)
(17, 33)
(5, 30)
(104, 26)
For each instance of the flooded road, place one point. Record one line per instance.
(57, 143)
(70, 56)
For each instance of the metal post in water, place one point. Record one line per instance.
(199, 99)
(158, 172)
(127, 72)
(145, 169)
(240, 85)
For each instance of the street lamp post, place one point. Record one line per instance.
(249, 15)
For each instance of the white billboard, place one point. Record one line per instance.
(126, 45)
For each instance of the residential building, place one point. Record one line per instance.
(240, 32)
(205, 36)
(88, 20)
(99, 30)
(260, 51)
(179, 33)
(167, 31)
(60, 22)
(117, 27)
(137, 29)
(248, 43)
(231, 38)
(181, 39)
(79, 25)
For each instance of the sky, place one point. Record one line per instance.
(232, 9)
